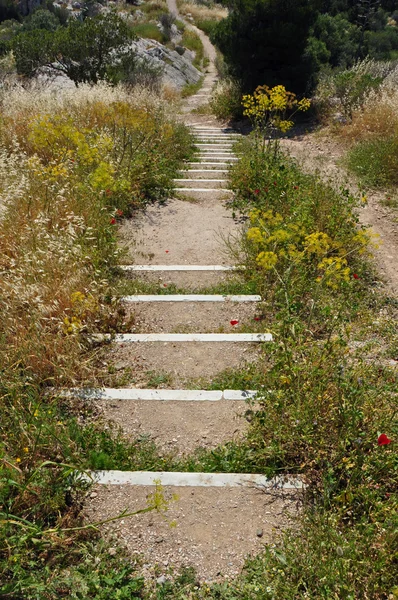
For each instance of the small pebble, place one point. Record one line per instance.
(260, 533)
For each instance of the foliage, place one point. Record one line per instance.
(264, 41)
(375, 161)
(84, 51)
(346, 91)
(71, 166)
(267, 108)
(150, 31)
(225, 101)
(193, 42)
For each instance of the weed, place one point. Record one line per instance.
(375, 161)
(191, 88)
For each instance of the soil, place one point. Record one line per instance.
(188, 426)
(189, 317)
(211, 529)
(201, 225)
(182, 360)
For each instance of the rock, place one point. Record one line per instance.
(176, 69)
(93, 495)
(159, 540)
(161, 580)
(259, 533)
(112, 551)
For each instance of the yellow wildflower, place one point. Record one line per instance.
(267, 260)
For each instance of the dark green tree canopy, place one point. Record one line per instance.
(263, 41)
(84, 51)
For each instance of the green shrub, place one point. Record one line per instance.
(375, 161)
(206, 25)
(193, 42)
(150, 31)
(225, 101)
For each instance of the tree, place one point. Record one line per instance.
(263, 41)
(84, 51)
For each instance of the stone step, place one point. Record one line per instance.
(176, 479)
(203, 190)
(204, 183)
(191, 298)
(132, 338)
(217, 163)
(147, 394)
(179, 268)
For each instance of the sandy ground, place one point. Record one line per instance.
(199, 317)
(211, 529)
(183, 360)
(188, 426)
(180, 232)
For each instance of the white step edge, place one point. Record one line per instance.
(154, 394)
(202, 190)
(214, 129)
(209, 163)
(190, 298)
(148, 478)
(181, 337)
(178, 268)
(214, 145)
(205, 171)
(216, 157)
(204, 180)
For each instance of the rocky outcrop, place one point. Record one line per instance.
(176, 66)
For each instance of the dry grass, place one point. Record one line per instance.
(70, 162)
(216, 12)
(378, 118)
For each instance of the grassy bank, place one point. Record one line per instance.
(73, 165)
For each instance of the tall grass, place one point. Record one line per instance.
(73, 163)
(373, 136)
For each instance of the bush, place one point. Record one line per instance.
(225, 101)
(84, 51)
(264, 42)
(347, 91)
(193, 42)
(150, 31)
(375, 161)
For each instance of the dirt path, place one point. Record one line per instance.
(215, 527)
(321, 154)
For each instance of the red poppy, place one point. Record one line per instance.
(112, 221)
(234, 322)
(355, 276)
(108, 192)
(166, 251)
(165, 285)
(256, 318)
(256, 191)
(119, 212)
(383, 440)
(275, 183)
(296, 187)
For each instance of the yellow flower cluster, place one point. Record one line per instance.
(289, 244)
(267, 260)
(266, 107)
(335, 271)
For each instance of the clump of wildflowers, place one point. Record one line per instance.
(267, 108)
